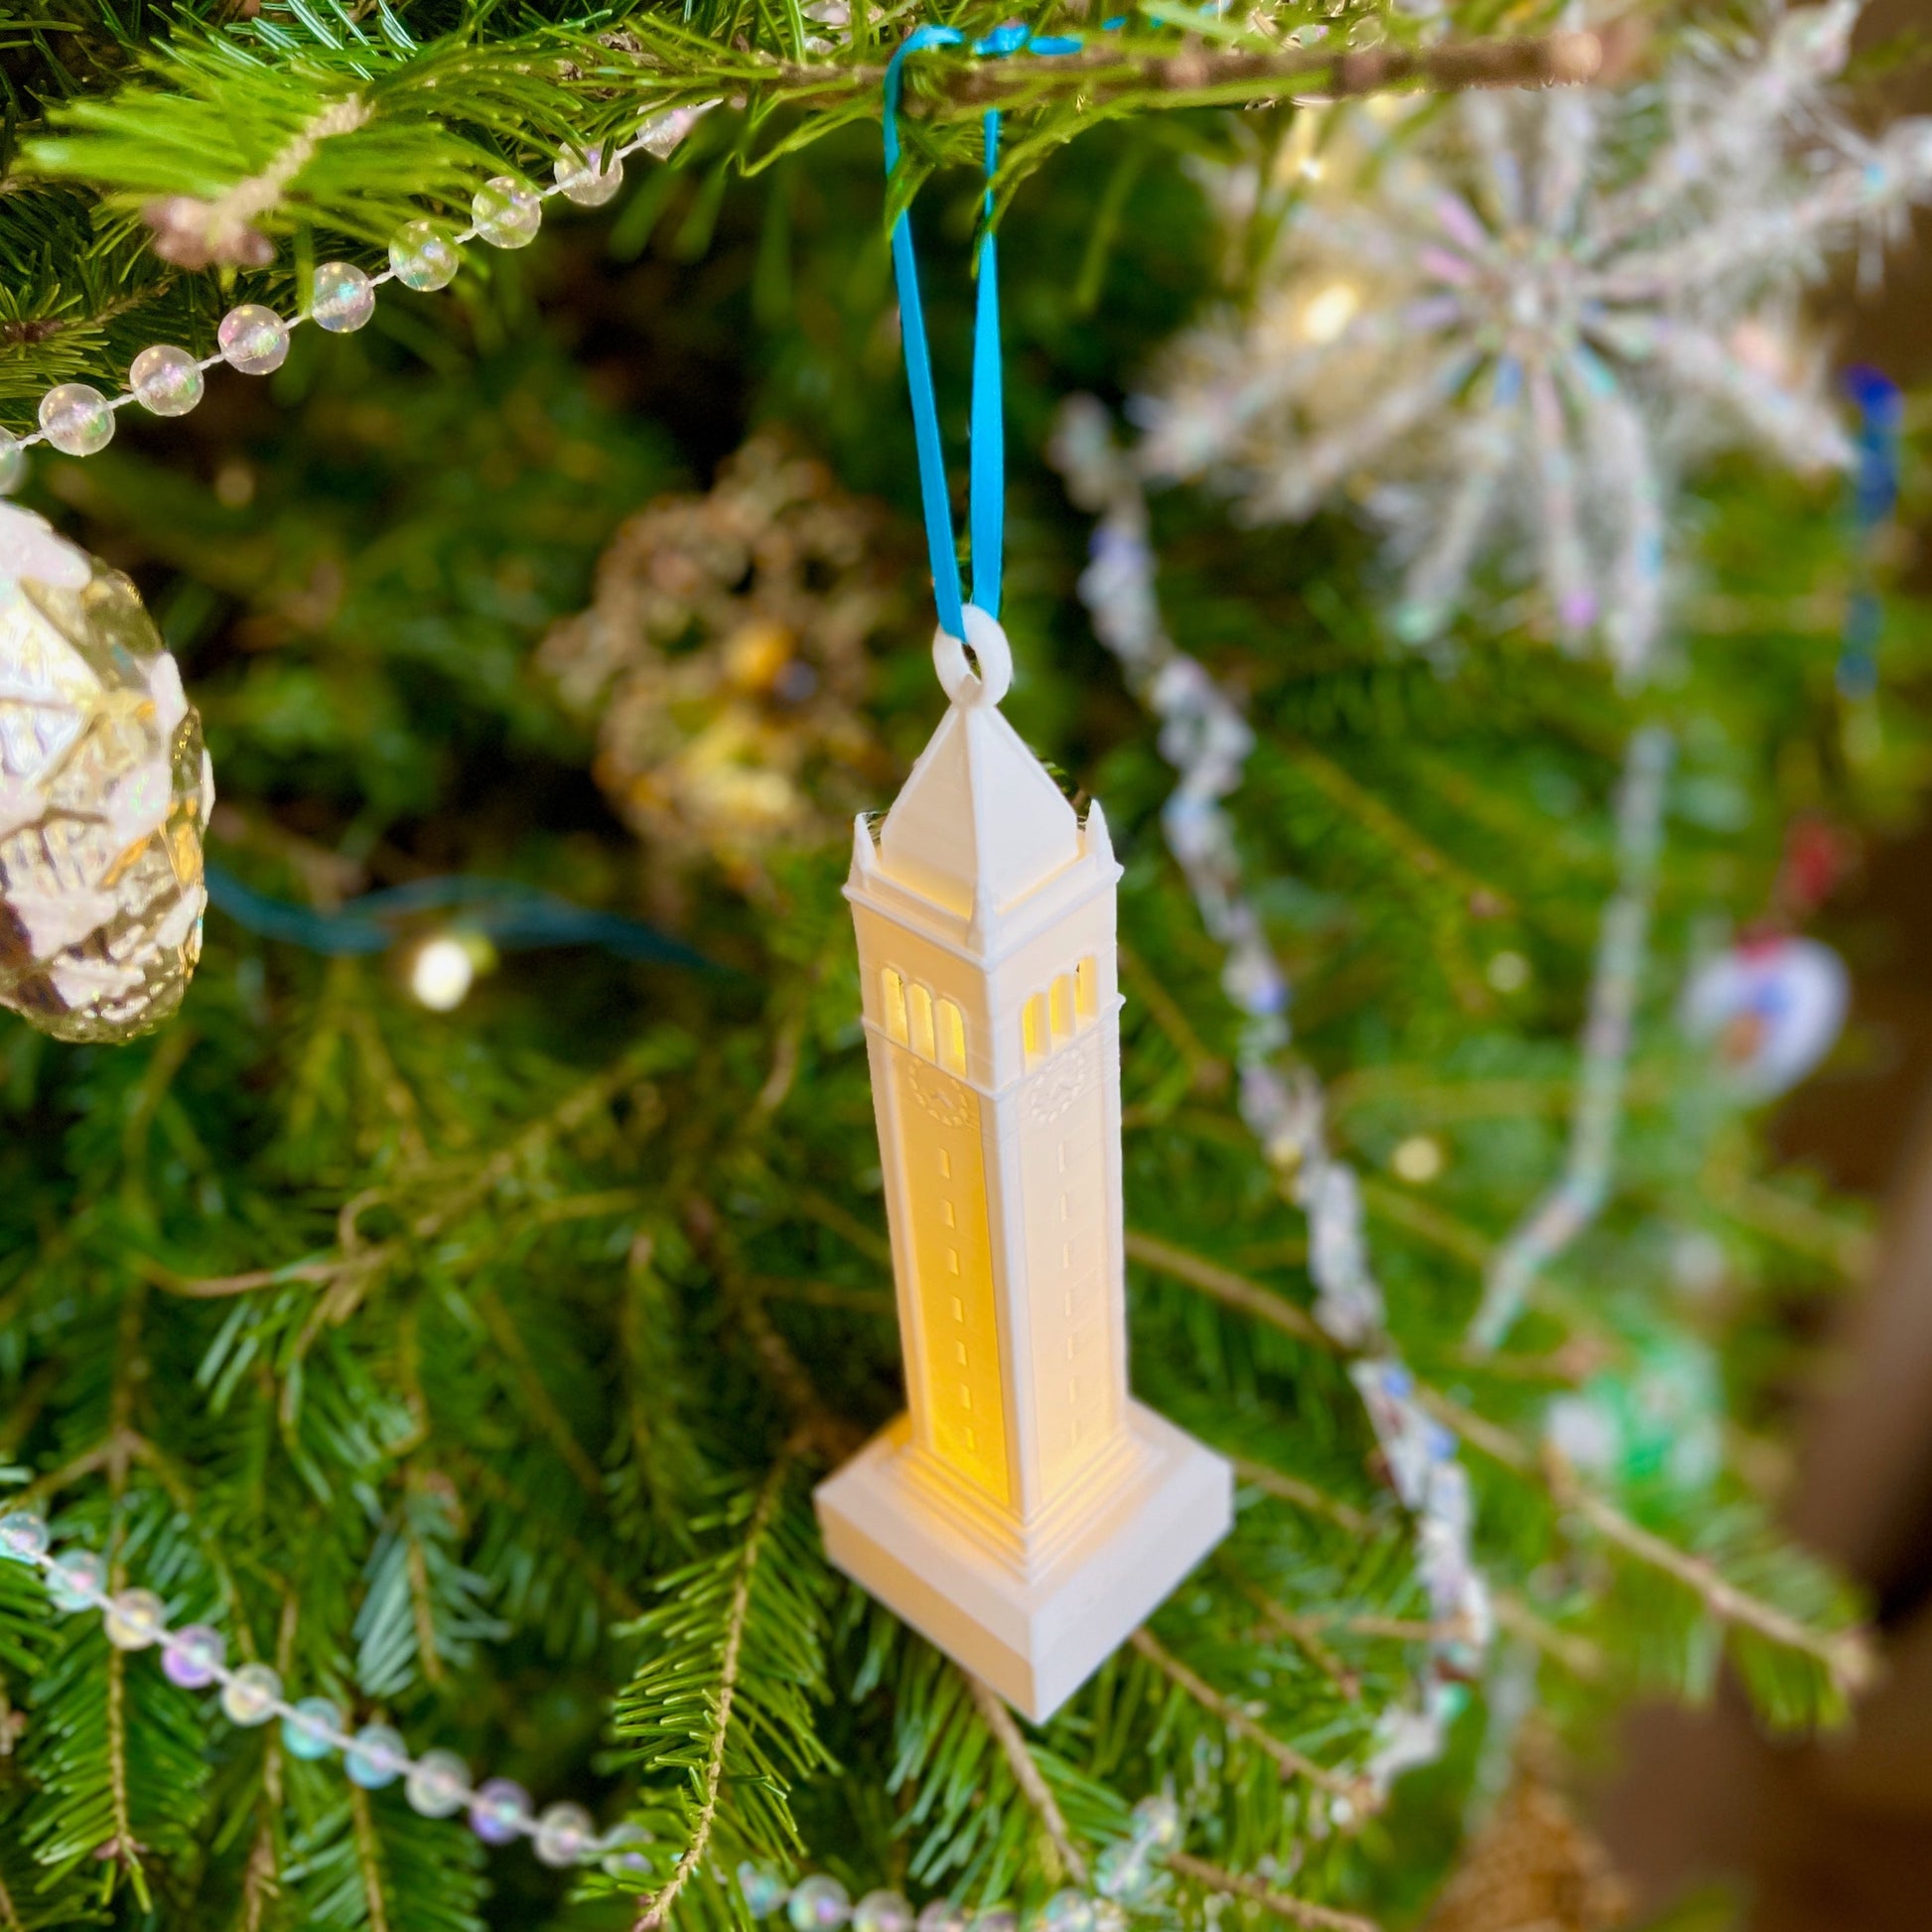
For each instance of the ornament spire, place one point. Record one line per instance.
(980, 824)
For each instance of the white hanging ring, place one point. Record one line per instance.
(990, 648)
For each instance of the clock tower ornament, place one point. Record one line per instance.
(1026, 1514)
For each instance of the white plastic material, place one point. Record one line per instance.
(1026, 1514)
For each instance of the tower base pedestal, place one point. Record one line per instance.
(1036, 1639)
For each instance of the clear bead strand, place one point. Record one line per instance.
(252, 1695)
(439, 1785)
(648, 139)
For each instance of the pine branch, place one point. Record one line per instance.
(1304, 1496)
(421, 1606)
(725, 1702)
(979, 1828)
(1225, 1286)
(368, 1859)
(1104, 76)
(1294, 1763)
(1577, 1655)
(1369, 809)
(261, 1880)
(196, 233)
(1440, 1229)
(1303, 1632)
(354, 1264)
(1019, 1760)
(487, 1482)
(370, 1865)
(536, 1398)
(129, 1366)
(657, 1910)
(1208, 1072)
(124, 1849)
(1845, 1654)
(1298, 1911)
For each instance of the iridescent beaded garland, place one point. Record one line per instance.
(439, 1784)
(76, 419)
(1124, 1875)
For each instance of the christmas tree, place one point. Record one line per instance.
(1433, 535)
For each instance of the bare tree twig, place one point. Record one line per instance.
(1027, 1774)
(655, 1911)
(369, 1858)
(1845, 1654)
(1304, 1496)
(1298, 1911)
(1295, 1763)
(1237, 1291)
(1196, 76)
(1579, 1656)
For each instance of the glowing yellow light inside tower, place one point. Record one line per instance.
(952, 1259)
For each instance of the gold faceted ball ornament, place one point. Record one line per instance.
(726, 658)
(104, 793)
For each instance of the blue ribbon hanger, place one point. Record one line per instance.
(987, 489)
(987, 493)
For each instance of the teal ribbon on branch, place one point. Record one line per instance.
(514, 916)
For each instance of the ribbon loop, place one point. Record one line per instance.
(990, 648)
(987, 489)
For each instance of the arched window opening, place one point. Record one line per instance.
(952, 1036)
(1033, 1026)
(1064, 1006)
(919, 1000)
(892, 991)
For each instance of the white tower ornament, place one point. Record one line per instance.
(1028, 1513)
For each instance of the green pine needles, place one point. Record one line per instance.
(473, 1370)
(735, 1664)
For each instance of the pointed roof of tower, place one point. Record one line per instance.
(980, 822)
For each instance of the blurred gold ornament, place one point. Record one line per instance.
(726, 657)
(1532, 1869)
(104, 791)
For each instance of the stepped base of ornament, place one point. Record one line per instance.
(1036, 1638)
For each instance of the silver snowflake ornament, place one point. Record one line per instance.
(1509, 322)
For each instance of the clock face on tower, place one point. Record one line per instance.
(1025, 1513)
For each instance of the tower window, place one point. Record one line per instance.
(919, 1002)
(1087, 987)
(1064, 1006)
(952, 1036)
(893, 990)
(1033, 1026)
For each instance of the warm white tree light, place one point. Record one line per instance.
(1026, 1513)
(442, 973)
